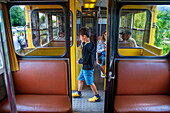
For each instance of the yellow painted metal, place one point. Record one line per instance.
(50, 51)
(155, 51)
(73, 47)
(130, 51)
(75, 52)
(152, 30)
(29, 29)
(148, 50)
(78, 6)
(88, 1)
(147, 53)
(137, 7)
(46, 7)
(78, 66)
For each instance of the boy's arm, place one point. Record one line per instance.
(85, 58)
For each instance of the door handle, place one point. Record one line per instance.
(102, 75)
(110, 76)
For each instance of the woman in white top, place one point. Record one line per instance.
(101, 47)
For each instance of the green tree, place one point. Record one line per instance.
(17, 15)
(42, 19)
(163, 22)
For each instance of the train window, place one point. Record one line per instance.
(38, 30)
(71, 28)
(78, 26)
(144, 31)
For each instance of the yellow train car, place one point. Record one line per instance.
(40, 44)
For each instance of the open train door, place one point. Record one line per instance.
(129, 70)
(110, 28)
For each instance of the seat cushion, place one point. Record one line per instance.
(143, 77)
(45, 77)
(39, 104)
(142, 104)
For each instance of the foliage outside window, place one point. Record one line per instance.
(163, 22)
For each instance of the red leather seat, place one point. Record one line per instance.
(40, 86)
(142, 104)
(143, 86)
(39, 104)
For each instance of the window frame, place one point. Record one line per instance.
(32, 29)
(1, 67)
(80, 26)
(136, 29)
(117, 29)
(65, 8)
(71, 27)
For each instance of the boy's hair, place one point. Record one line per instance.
(84, 31)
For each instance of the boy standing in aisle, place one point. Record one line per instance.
(88, 56)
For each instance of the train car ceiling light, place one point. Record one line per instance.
(86, 5)
(89, 3)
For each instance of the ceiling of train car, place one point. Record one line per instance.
(93, 3)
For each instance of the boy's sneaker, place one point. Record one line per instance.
(76, 95)
(94, 99)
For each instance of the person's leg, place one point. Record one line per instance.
(94, 89)
(95, 98)
(80, 85)
(81, 78)
(89, 80)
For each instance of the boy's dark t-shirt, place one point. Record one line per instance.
(88, 55)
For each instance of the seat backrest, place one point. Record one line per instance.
(41, 77)
(142, 77)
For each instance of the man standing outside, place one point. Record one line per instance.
(86, 74)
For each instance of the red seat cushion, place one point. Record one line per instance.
(142, 104)
(143, 77)
(45, 77)
(39, 104)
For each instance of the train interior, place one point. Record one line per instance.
(40, 45)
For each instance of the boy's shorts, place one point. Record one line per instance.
(86, 75)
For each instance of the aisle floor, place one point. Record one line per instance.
(82, 105)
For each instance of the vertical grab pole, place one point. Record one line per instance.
(6, 64)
